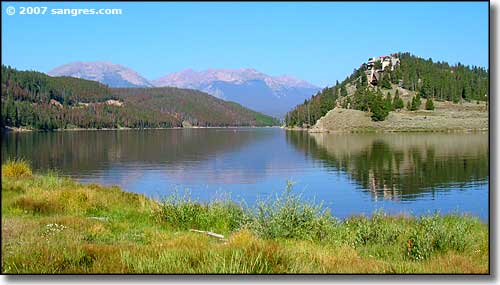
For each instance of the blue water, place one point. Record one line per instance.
(350, 173)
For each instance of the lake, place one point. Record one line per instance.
(411, 173)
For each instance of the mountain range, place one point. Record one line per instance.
(34, 100)
(113, 75)
(272, 95)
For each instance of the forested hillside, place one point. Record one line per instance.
(35, 100)
(311, 110)
(196, 107)
(434, 81)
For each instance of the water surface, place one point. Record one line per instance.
(413, 173)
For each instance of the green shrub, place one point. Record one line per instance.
(284, 216)
(287, 216)
(439, 234)
(379, 229)
(419, 245)
(181, 212)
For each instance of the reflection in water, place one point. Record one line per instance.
(350, 173)
(84, 152)
(401, 166)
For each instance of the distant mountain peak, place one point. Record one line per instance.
(193, 77)
(114, 75)
(273, 95)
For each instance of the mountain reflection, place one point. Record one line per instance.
(80, 153)
(401, 166)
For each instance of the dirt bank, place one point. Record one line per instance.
(446, 117)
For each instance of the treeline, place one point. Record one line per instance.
(35, 100)
(431, 80)
(373, 100)
(441, 81)
(196, 107)
(316, 107)
(37, 87)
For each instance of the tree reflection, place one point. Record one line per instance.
(88, 151)
(401, 166)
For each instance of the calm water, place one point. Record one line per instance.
(352, 173)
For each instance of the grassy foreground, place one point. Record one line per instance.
(52, 224)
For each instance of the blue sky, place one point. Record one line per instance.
(320, 42)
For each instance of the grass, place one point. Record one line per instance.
(52, 224)
(16, 168)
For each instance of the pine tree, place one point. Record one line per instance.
(378, 109)
(418, 101)
(429, 105)
(466, 91)
(415, 103)
(397, 102)
(385, 82)
(426, 89)
(364, 80)
(388, 102)
(343, 91)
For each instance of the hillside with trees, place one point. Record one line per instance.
(196, 107)
(35, 100)
(415, 77)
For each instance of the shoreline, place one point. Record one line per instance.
(26, 130)
(14, 130)
(367, 130)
